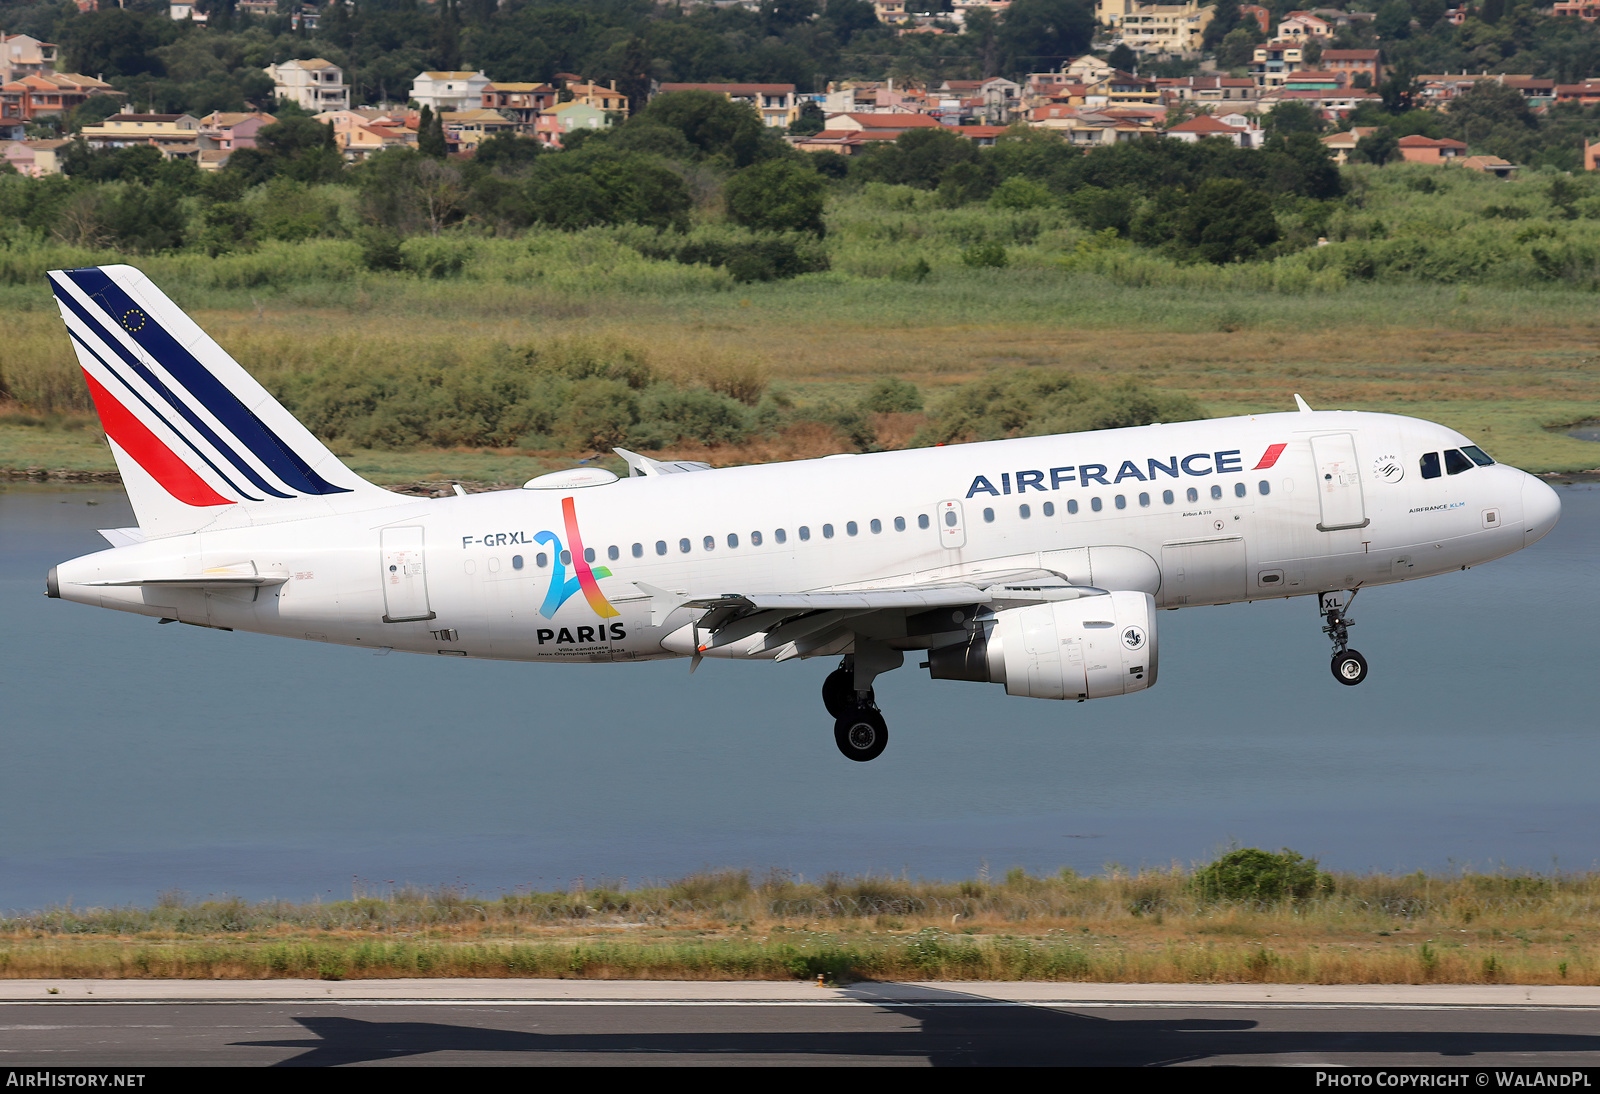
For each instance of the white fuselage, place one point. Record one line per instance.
(1342, 505)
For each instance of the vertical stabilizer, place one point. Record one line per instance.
(196, 438)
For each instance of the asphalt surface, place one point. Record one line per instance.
(134, 1024)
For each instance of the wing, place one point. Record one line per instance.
(909, 616)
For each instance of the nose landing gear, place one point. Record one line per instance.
(858, 727)
(1348, 666)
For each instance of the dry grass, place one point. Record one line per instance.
(1150, 927)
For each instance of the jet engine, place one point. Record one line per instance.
(1097, 645)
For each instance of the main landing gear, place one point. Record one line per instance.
(1349, 667)
(858, 727)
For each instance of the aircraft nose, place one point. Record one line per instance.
(1541, 508)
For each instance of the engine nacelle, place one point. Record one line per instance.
(1087, 648)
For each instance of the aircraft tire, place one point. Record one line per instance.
(1349, 668)
(861, 734)
(839, 693)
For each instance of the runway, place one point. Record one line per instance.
(134, 1024)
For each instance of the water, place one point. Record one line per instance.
(137, 758)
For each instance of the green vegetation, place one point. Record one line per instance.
(1288, 923)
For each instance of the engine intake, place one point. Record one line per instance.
(1075, 649)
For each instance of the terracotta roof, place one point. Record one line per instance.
(1203, 124)
(734, 89)
(1418, 141)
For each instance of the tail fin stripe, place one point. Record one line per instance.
(159, 416)
(182, 366)
(143, 372)
(148, 451)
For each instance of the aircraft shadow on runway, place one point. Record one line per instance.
(950, 1031)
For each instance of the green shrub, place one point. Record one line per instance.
(1251, 874)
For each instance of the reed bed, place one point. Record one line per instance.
(1151, 926)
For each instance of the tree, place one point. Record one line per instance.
(430, 134)
(1123, 59)
(1294, 117)
(1378, 147)
(777, 196)
(1225, 221)
(1044, 34)
(713, 126)
(810, 120)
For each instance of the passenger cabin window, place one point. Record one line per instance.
(613, 553)
(1095, 504)
(684, 546)
(1239, 490)
(876, 525)
(516, 562)
(566, 558)
(805, 533)
(1144, 501)
(1216, 492)
(827, 531)
(1430, 465)
(541, 560)
(638, 550)
(710, 543)
(1049, 508)
(1455, 462)
(661, 548)
(733, 539)
(1024, 512)
(850, 528)
(1265, 487)
(1166, 497)
(780, 535)
(1192, 494)
(988, 516)
(588, 554)
(899, 524)
(755, 539)
(1072, 505)
(922, 520)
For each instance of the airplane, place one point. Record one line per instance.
(1038, 563)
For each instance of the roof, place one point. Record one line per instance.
(1350, 54)
(734, 89)
(453, 75)
(1203, 124)
(314, 62)
(892, 121)
(1418, 141)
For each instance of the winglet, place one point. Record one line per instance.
(1301, 403)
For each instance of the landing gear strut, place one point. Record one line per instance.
(1348, 666)
(858, 727)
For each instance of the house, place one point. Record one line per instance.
(881, 126)
(1239, 129)
(1587, 10)
(892, 12)
(314, 84)
(227, 131)
(176, 135)
(1302, 26)
(1489, 165)
(1420, 149)
(524, 102)
(1353, 62)
(1271, 62)
(1343, 145)
(1261, 15)
(775, 103)
(607, 99)
(13, 129)
(25, 55)
(1157, 28)
(35, 159)
(455, 91)
(1584, 94)
(50, 94)
(563, 118)
(1591, 156)
(469, 128)
(1205, 89)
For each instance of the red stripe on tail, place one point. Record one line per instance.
(1270, 457)
(159, 461)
